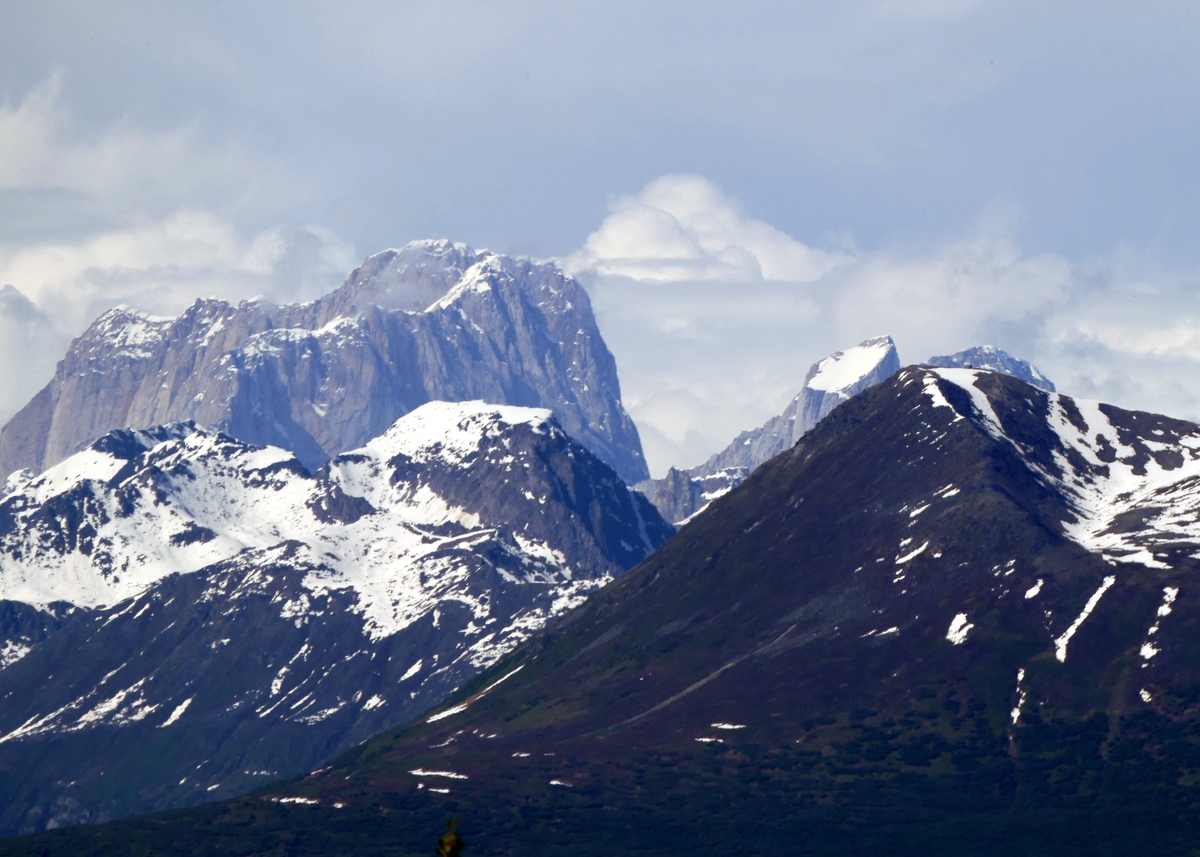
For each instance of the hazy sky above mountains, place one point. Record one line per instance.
(743, 187)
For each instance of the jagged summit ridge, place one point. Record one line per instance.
(179, 497)
(410, 278)
(993, 359)
(433, 320)
(1130, 480)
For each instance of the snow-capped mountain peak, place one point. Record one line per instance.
(454, 431)
(178, 585)
(411, 278)
(145, 504)
(135, 506)
(846, 371)
(836, 379)
(830, 382)
(992, 359)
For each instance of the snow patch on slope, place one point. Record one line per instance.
(1134, 490)
(1060, 644)
(959, 629)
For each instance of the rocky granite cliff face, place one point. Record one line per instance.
(431, 321)
(184, 616)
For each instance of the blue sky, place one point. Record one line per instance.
(1015, 172)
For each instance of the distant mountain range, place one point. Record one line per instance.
(954, 618)
(431, 321)
(838, 378)
(186, 616)
(297, 525)
(236, 543)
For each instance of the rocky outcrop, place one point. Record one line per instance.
(829, 382)
(679, 495)
(431, 321)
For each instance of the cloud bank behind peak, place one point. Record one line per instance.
(682, 227)
(715, 316)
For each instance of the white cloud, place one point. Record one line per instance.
(161, 266)
(158, 266)
(125, 166)
(682, 227)
(709, 344)
(958, 291)
(30, 346)
(136, 230)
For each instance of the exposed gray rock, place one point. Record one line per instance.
(680, 494)
(432, 321)
(993, 359)
(836, 379)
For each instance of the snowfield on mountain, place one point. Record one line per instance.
(361, 594)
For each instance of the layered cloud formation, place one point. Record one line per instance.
(715, 316)
(88, 222)
(682, 227)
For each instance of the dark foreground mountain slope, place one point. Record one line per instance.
(186, 616)
(957, 618)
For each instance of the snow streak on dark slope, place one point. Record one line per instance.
(1131, 479)
(186, 616)
(431, 321)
